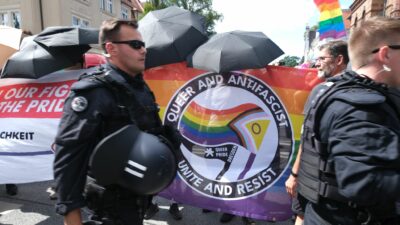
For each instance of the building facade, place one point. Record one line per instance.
(361, 9)
(36, 15)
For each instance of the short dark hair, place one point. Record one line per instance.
(336, 48)
(109, 29)
(372, 33)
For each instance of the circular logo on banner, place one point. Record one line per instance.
(237, 136)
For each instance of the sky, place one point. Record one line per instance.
(283, 21)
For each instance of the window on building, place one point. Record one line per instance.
(16, 19)
(3, 18)
(75, 21)
(124, 12)
(106, 5)
(10, 18)
(103, 4)
(84, 23)
(109, 6)
(79, 22)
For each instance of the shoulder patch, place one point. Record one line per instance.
(360, 96)
(79, 103)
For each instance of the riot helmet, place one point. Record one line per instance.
(138, 161)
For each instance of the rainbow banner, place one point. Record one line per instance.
(240, 134)
(331, 19)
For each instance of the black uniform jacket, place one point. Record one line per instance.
(362, 129)
(80, 131)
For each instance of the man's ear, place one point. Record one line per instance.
(110, 48)
(340, 60)
(384, 54)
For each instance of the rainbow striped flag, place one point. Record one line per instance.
(240, 133)
(331, 19)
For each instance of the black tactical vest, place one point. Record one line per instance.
(317, 175)
(135, 105)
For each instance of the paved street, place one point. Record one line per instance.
(32, 206)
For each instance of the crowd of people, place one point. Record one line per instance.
(347, 168)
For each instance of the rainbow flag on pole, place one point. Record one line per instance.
(331, 20)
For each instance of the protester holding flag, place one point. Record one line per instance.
(349, 169)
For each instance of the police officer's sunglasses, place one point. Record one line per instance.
(390, 46)
(135, 44)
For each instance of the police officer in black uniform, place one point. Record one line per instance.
(99, 104)
(350, 164)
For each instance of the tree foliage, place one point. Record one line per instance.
(202, 7)
(290, 61)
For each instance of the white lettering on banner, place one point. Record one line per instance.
(257, 88)
(210, 82)
(218, 189)
(180, 100)
(33, 100)
(276, 108)
(17, 135)
(22, 92)
(256, 183)
(225, 188)
(55, 105)
(188, 173)
(11, 106)
(55, 91)
(246, 82)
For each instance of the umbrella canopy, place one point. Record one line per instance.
(67, 36)
(34, 60)
(10, 39)
(171, 34)
(235, 50)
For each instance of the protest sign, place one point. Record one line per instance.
(239, 133)
(29, 114)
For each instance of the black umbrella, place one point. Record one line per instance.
(235, 50)
(34, 60)
(67, 36)
(171, 34)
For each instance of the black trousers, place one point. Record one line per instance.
(123, 212)
(313, 217)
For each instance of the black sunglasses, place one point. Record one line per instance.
(135, 44)
(390, 46)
